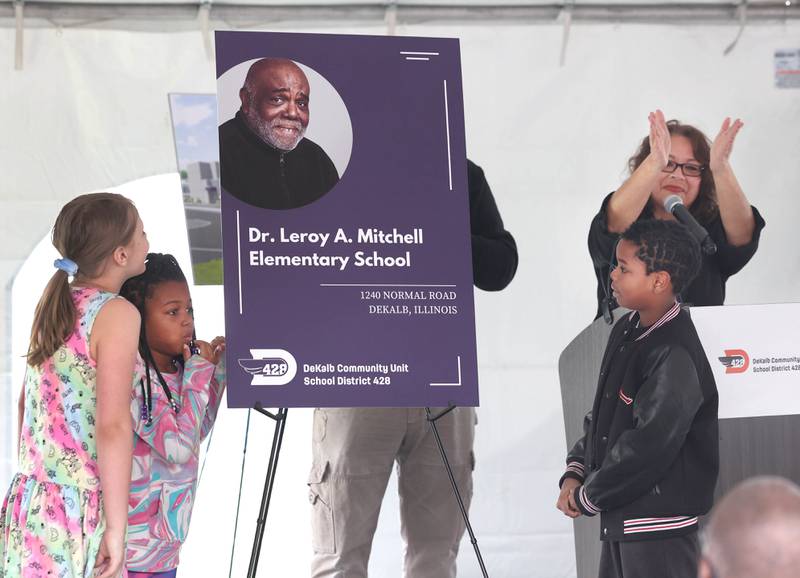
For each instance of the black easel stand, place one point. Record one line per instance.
(277, 440)
(432, 420)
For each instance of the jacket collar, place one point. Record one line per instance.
(671, 314)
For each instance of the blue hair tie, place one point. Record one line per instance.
(69, 266)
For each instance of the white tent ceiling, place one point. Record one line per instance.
(169, 14)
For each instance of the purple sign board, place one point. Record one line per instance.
(345, 221)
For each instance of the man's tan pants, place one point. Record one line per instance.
(354, 449)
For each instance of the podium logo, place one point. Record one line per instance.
(735, 361)
(270, 366)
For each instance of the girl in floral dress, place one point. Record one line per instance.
(65, 513)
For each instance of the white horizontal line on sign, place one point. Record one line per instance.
(380, 285)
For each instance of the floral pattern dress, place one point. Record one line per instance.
(51, 522)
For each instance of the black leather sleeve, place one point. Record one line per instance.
(576, 456)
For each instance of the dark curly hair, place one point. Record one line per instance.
(159, 268)
(705, 207)
(666, 246)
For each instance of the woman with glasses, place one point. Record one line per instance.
(678, 159)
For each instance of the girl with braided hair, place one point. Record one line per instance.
(66, 510)
(174, 405)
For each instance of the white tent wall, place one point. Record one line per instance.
(89, 111)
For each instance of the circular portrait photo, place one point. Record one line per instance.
(285, 136)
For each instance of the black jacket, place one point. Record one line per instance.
(263, 176)
(649, 456)
(494, 252)
(708, 288)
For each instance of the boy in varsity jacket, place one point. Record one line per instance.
(649, 457)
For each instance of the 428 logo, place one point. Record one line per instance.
(269, 366)
(735, 360)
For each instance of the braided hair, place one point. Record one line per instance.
(666, 245)
(159, 268)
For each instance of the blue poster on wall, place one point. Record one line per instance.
(345, 218)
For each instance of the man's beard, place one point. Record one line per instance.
(269, 132)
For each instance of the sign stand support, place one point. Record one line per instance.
(272, 465)
(432, 420)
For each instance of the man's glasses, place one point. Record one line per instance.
(688, 169)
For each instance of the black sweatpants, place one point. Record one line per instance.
(665, 558)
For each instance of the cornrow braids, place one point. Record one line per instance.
(666, 245)
(159, 268)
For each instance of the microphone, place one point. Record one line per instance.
(673, 204)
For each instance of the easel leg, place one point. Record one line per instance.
(239, 498)
(277, 440)
(432, 420)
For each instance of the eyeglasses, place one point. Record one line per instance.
(688, 169)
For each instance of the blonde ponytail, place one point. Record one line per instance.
(87, 231)
(53, 320)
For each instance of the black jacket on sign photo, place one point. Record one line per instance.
(261, 175)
